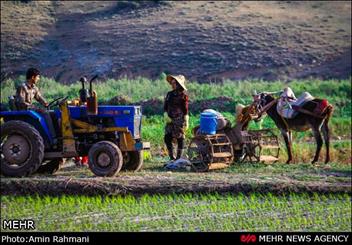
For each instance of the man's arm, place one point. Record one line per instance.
(40, 98)
(185, 111)
(185, 105)
(165, 102)
(167, 119)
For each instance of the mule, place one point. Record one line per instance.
(266, 103)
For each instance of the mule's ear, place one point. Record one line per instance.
(256, 97)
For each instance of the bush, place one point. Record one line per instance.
(221, 96)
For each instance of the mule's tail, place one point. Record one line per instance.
(328, 113)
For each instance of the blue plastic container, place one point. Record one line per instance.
(208, 123)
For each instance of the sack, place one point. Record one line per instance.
(288, 109)
(179, 164)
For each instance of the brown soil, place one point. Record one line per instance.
(80, 181)
(205, 41)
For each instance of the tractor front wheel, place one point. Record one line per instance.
(22, 149)
(105, 159)
(133, 160)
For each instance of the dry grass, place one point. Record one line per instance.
(153, 179)
(207, 41)
(24, 25)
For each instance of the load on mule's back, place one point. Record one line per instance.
(300, 114)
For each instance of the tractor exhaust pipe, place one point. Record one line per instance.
(92, 101)
(83, 93)
(90, 84)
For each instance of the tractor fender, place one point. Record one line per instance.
(33, 118)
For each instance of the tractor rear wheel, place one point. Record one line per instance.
(22, 149)
(133, 160)
(51, 166)
(105, 159)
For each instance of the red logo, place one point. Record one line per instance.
(248, 238)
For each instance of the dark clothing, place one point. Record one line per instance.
(25, 94)
(176, 128)
(176, 104)
(180, 146)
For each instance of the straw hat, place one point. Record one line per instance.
(180, 79)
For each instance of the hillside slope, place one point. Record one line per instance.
(205, 41)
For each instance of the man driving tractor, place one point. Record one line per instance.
(28, 90)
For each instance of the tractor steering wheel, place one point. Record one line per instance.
(56, 102)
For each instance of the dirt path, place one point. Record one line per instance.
(73, 180)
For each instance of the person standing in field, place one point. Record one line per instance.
(176, 115)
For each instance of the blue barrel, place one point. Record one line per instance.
(208, 123)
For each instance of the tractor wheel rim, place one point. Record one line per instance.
(103, 159)
(16, 149)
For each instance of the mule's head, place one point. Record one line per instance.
(261, 101)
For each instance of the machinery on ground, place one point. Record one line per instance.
(260, 146)
(208, 152)
(110, 136)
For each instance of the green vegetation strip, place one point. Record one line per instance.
(186, 212)
(153, 127)
(336, 91)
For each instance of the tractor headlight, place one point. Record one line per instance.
(137, 126)
(137, 111)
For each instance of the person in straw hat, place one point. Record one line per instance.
(176, 115)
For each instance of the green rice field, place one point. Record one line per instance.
(255, 212)
(316, 197)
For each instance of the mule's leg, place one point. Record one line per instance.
(326, 134)
(286, 136)
(290, 136)
(319, 142)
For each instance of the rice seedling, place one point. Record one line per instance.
(206, 212)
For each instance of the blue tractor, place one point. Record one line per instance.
(34, 141)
